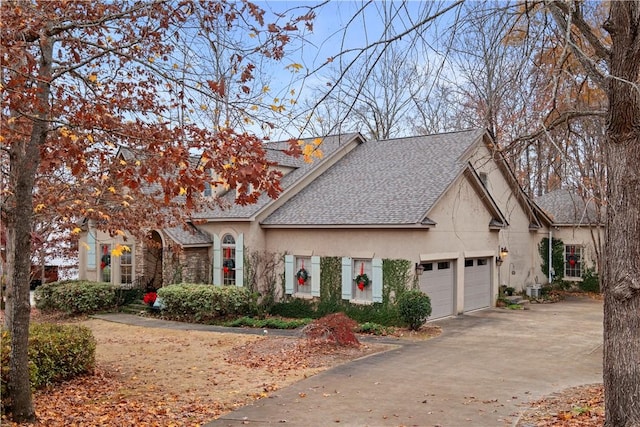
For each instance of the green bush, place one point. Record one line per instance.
(203, 303)
(590, 281)
(77, 297)
(269, 323)
(374, 329)
(384, 314)
(296, 308)
(127, 296)
(56, 353)
(414, 307)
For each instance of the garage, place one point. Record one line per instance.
(477, 283)
(437, 281)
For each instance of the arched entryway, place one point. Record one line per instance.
(153, 261)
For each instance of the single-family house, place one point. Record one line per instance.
(449, 203)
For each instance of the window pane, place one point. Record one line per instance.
(228, 260)
(468, 263)
(126, 268)
(573, 261)
(444, 265)
(105, 263)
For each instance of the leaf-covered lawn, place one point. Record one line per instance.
(162, 377)
(574, 407)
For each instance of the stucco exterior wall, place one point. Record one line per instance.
(521, 267)
(581, 236)
(461, 231)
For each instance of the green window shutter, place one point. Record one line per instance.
(91, 252)
(315, 276)
(289, 264)
(376, 279)
(347, 278)
(217, 261)
(240, 260)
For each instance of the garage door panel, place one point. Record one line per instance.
(477, 284)
(438, 283)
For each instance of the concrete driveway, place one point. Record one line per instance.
(481, 371)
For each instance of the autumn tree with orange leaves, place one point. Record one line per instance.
(83, 80)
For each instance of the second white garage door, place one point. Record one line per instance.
(437, 281)
(477, 283)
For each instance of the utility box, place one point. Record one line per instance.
(533, 291)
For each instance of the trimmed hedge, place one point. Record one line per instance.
(78, 297)
(380, 313)
(202, 303)
(56, 353)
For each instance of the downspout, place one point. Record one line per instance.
(550, 255)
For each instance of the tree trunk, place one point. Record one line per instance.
(24, 159)
(621, 280)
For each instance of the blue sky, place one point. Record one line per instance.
(341, 26)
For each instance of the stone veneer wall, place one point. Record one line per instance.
(191, 265)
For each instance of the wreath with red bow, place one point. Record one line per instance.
(228, 265)
(362, 280)
(302, 275)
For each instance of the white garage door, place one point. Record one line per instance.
(477, 283)
(437, 281)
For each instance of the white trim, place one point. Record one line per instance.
(442, 256)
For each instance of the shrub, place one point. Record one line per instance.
(56, 353)
(127, 296)
(384, 314)
(374, 329)
(269, 323)
(336, 328)
(77, 297)
(590, 281)
(295, 308)
(202, 303)
(414, 307)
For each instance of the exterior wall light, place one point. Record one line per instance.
(419, 269)
(503, 254)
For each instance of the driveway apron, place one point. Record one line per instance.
(481, 371)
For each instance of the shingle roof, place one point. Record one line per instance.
(564, 206)
(393, 182)
(190, 236)
(329, 146)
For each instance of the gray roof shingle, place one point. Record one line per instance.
(329, 146)
(188, 235)
(564, 206)
(393, 182)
